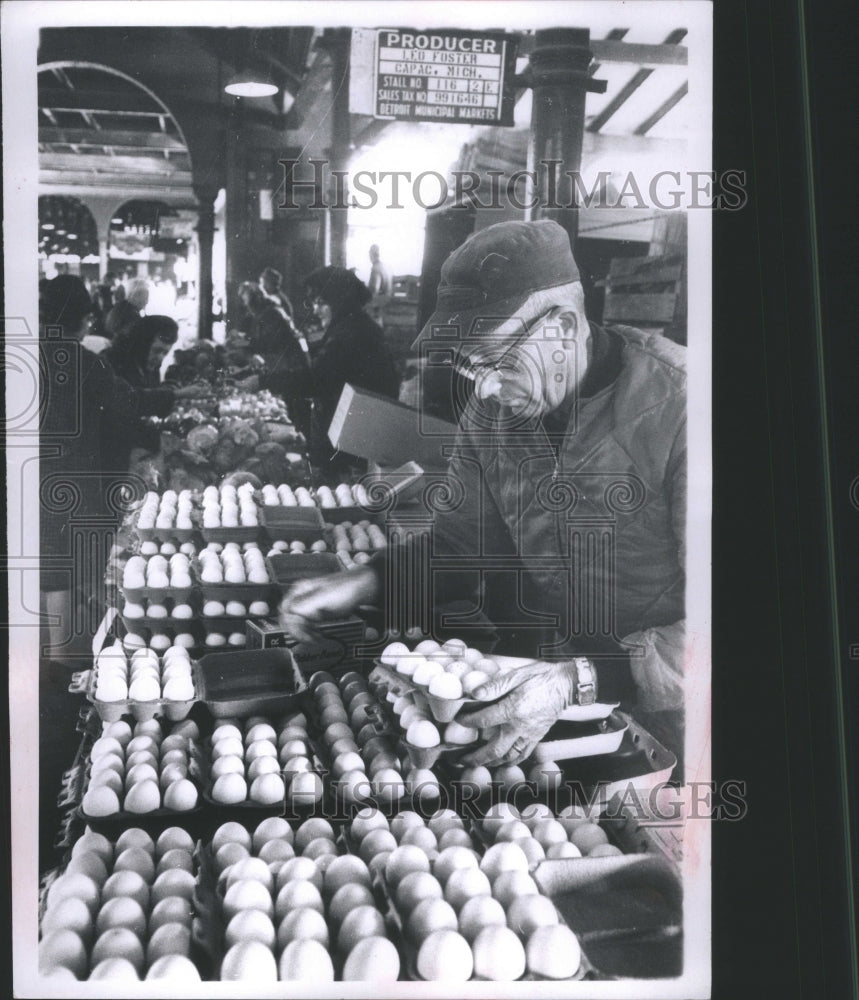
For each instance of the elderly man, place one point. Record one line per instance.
(568, 490)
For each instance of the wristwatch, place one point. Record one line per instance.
(586, 681)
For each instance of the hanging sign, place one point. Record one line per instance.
(406, 74)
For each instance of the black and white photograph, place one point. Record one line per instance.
(359, 498)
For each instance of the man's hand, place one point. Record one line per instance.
(526, 703)
(309, 602)
(250, 384)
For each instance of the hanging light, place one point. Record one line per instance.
(251, 83)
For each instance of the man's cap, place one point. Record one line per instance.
(493, 276)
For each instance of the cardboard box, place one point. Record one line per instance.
(334, 649)
(387, 432)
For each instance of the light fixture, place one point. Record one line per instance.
(251, 83)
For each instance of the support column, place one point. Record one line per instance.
(558, 73)
(205, 240)
(336, 42)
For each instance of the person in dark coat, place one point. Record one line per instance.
(353, 350)
(84, 408)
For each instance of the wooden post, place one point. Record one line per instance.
(205, 240)
(336, 42)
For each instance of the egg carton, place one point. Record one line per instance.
(180, 535)
(395, 921)
(237, 684)
(240, 533)
(287, 569)
(85, 682)
(304, 524)
(247, 593)
(158, 595)
(627, 910)
(223, 624)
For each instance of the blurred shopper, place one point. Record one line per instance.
(381, 286)
(353, 350)
(270, 282)
(273, 336)
(127, 311)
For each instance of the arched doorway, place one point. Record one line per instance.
(68, 238)
(110, 142)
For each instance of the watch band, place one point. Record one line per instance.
(586, 681)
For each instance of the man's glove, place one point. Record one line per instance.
(527, 702)
(323, 598)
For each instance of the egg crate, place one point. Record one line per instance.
(156, 820)
(85, 682)
(396, 923)
(337, 515)
(287, 569)
(287, 524)
(197, 953)
(627, 911)
(209, 898)
(254, 812)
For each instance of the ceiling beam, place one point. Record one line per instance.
(114, 163)
(629, 88)
(73, 181)
(649, 56)
(662, 110)
(142, 139)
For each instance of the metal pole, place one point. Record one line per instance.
(557, 71)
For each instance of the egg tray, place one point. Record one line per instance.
(445, 709)
(254, 812)
(85, 682)
(209, 898)
(395, 922)
(199, 954)
(76, 780)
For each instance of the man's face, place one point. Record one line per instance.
(267, 284)
(538, 374)
(322, 312)
(157, 353)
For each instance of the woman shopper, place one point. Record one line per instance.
(352, 350)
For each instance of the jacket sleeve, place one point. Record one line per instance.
(659, 671)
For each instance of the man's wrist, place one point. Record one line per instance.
(584, 681)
